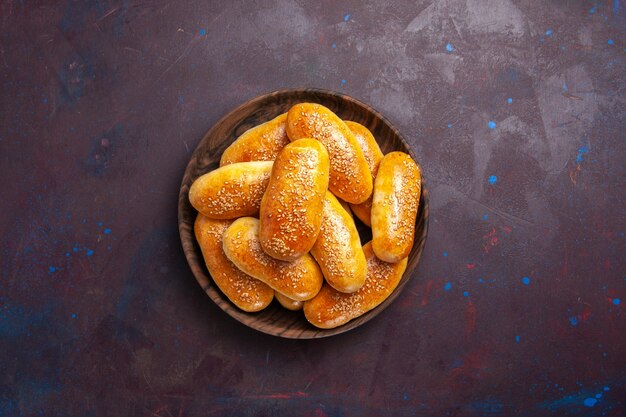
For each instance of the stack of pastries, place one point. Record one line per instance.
(275, 220)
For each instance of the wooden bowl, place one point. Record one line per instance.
(276, 320)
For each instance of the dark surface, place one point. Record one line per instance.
(103, 103)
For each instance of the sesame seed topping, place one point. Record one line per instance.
(346, 169)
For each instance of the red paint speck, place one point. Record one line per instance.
(565, 264)
(586, 313)
(318, 412)
(490, 240)
(470, 317)
(473, 365)
(611, 302)
(470, 266)
(282, 395)
(429, 286)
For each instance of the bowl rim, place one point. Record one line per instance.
(209, 286)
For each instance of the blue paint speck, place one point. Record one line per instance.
(74, 315)
(346, 17)
(449, 47)
(486, 217)
(610, 41)
(334, 45)
(564, 87)
(509, 100)
(458, 362)
(89, 252)
(405, 396)
(181, 99)
(491, 124)
(517, 339)
(107, 231)
(615, 6)
(526, 280)
(592, 10)
(100, 224)
(202, 32)
(581, 151)
(590, 402)
(481, 280)
(447, 286)
(449, 125)
(343, 81)
(67, 254)
(492, 179)
(573, 321)
(445, 254)
(465, 294)
(616, 301)
(606, 389)
(52, 269)
(549, 32)
(598, 396)
(45, 100)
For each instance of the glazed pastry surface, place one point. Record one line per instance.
(350, 176)
(261, 143)
(247, 293)
(231, 191)
(331, 308)
(299, 280)
(394, 206)
(290, 217)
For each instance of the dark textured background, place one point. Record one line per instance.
(515, 308)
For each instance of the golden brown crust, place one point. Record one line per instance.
(290, 210)
(394, 207)
(288, 303)
(331, 308)
(261, 143)
(350, 177)
(346, 206)
(373, 156)
(231, 191)
(247, 293)
(369, 146)
(299, 280)
(338, 249)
